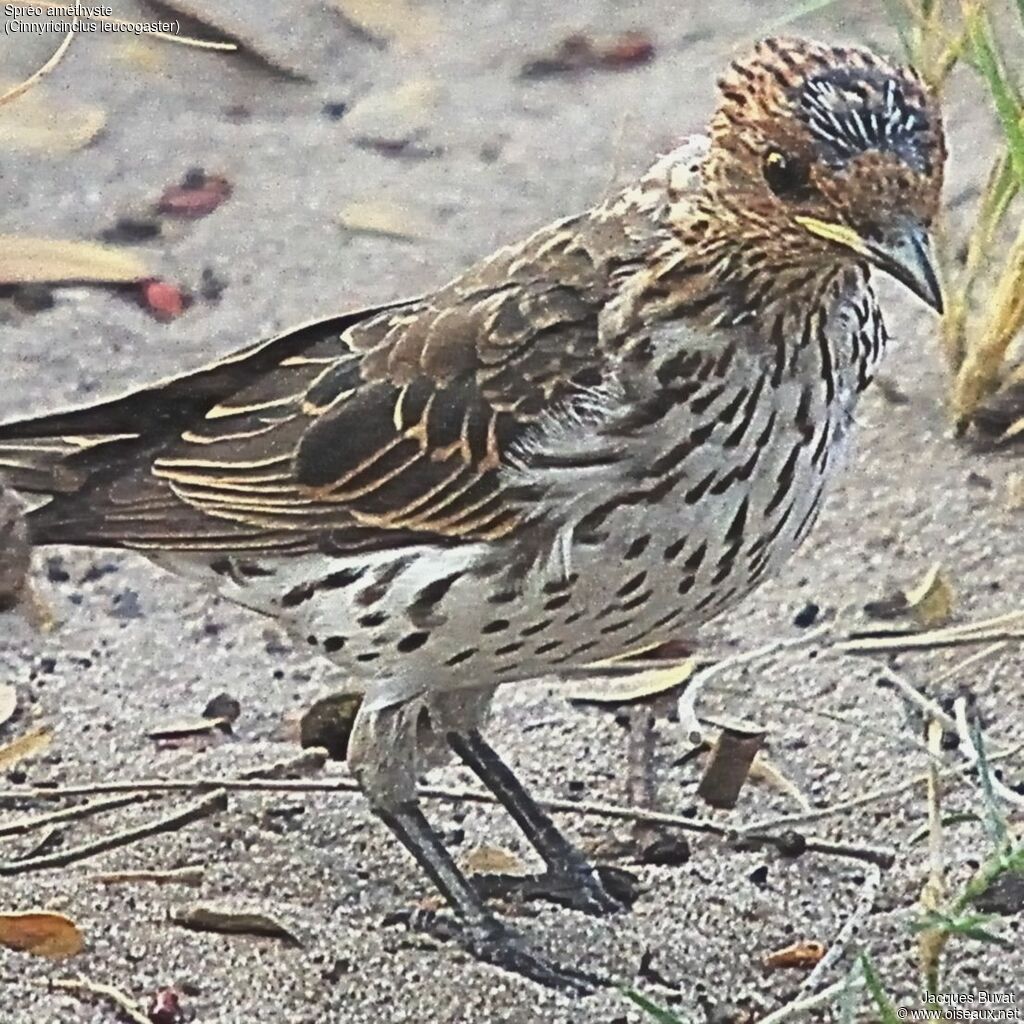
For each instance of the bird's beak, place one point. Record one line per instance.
(904, 251)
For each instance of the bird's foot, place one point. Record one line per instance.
(490, 941)
(598, 891)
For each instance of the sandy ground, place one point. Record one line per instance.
(494, 156)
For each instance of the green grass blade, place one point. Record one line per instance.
(1005, 95)
(996, 820)
(970, 926)
(887, 1012)
(655, 1012)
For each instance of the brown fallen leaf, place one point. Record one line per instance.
(25, 746)
(580, 52)
(931, 601)
(41, 933)
(493, 860)
(183, 728)
(25, 260)
(800, 955)
(206, 917)
(8, 702)
(409, 24)
(396, 120)
(383, 218)
(198, 195)
(637, 686)
(37, 125)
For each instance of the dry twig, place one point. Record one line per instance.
(26, 825)
(802, 1005)
(58, 55)
(124, 1003)
(209, 804)
(860, 911)
(970, 752)
(172, 876)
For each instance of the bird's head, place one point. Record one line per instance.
(826, 153)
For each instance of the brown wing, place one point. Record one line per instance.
(391, 429)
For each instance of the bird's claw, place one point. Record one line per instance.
(599, 891)
(490, 941)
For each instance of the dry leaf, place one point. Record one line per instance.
(380, 217)
(182, 728)
(8, 702)
(405, 22)
(198, 195)
(634, 687)
(25, 746)
(765, 770)
(52, 260)
(799, 954)
(579, 52)
(931, 601)
(396, 120)
(205, 917)
(1015, 492)
(35, 125)
(493, 860)
(41, 933)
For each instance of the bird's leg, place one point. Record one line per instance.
(382, 759)
(570, 879)
(16, 589)
(473, 927)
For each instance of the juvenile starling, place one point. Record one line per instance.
(592, 441)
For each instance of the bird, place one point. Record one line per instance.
(588, 443)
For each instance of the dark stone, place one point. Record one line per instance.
(807, 615)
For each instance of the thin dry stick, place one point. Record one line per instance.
(861, 909)
(201, 44)
(698, 681)
(209, 804)
(312, 759)
(799, 1005)
(925, 641)
(121, 1000)
(970, 751)
(788, 841)
(999, 628)
(969, 661)
(172, 876)
(33, 79)
(910, 693)
(875, 796)
(20, 828)
(932, 941)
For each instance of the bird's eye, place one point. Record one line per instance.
(787, 177)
